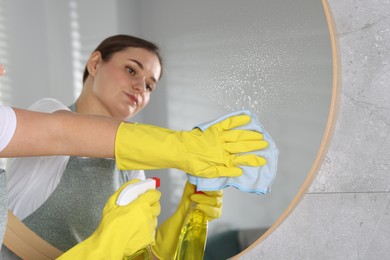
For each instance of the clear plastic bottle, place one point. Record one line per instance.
(193, 235)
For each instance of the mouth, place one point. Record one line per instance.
(132, 98)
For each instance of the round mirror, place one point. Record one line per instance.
(271, 57)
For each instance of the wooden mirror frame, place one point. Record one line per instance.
(28, 245)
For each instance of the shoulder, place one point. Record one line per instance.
(48, 105)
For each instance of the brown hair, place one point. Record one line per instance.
(119, 42)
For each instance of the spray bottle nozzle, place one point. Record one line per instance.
(157, 181)
(132, 191)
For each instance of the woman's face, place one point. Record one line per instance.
(123, 84)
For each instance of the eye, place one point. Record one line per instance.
(148, 88)
(130, 70)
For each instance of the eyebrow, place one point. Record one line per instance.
(142, 68)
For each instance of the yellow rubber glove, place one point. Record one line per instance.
(210, 154)
(168, 233)
(123, 230)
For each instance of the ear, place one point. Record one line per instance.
(93, 63)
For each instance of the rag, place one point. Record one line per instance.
(254, 179)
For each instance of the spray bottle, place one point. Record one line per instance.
(129, 194)
(193, 235)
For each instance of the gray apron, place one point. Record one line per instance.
(74, 209)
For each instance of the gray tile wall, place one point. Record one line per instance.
(346, 212)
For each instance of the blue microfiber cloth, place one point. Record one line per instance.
(254, 179)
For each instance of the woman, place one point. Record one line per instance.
(26, 133)
(119, 78)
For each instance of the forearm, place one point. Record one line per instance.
(62, 133)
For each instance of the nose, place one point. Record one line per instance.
(139, 84)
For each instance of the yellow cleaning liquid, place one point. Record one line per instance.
(192, 239)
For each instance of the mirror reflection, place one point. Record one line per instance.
(273, 58)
